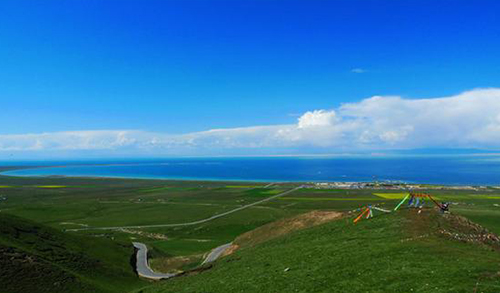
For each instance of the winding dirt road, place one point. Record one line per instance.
(195, 222)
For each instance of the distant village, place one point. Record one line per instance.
(392, 185)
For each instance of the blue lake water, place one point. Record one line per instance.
(457, 170)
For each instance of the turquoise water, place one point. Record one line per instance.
(471, 170)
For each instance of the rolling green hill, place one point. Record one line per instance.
(36, 258)
(400, 252)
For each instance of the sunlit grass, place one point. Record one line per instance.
(328, 198)
(399, 195)
(155, 189)
(242, 186)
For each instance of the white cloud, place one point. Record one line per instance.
(470, 119)
(358, 70)
(464, 120)
(69, 140)
(317, 118)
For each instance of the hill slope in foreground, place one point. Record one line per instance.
(400, 252)
(36, 258)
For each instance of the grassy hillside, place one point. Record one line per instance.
(400, 252)
(284, 226)
(98, 260)
(36, 258)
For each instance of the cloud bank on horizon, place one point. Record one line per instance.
(467, 120)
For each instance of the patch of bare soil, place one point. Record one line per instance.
(430, 221)
(282, 227)
(172, 264)
(230, 250)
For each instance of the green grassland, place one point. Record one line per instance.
(80, 203)
(402, 252)
(58, 205)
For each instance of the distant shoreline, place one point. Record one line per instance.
(359, 171)
(315, 183)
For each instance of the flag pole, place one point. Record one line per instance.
(397, 207)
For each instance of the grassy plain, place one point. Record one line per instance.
(82, 203)
(72, 203)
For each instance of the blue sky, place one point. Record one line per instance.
(183, 67)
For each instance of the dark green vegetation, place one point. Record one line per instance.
(99, 260)
(402, 252)
(36, 258)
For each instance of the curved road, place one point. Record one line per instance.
(144, 270)
(216, 252)
(195, 222)
(142, 264)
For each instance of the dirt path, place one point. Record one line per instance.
(195, 222)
